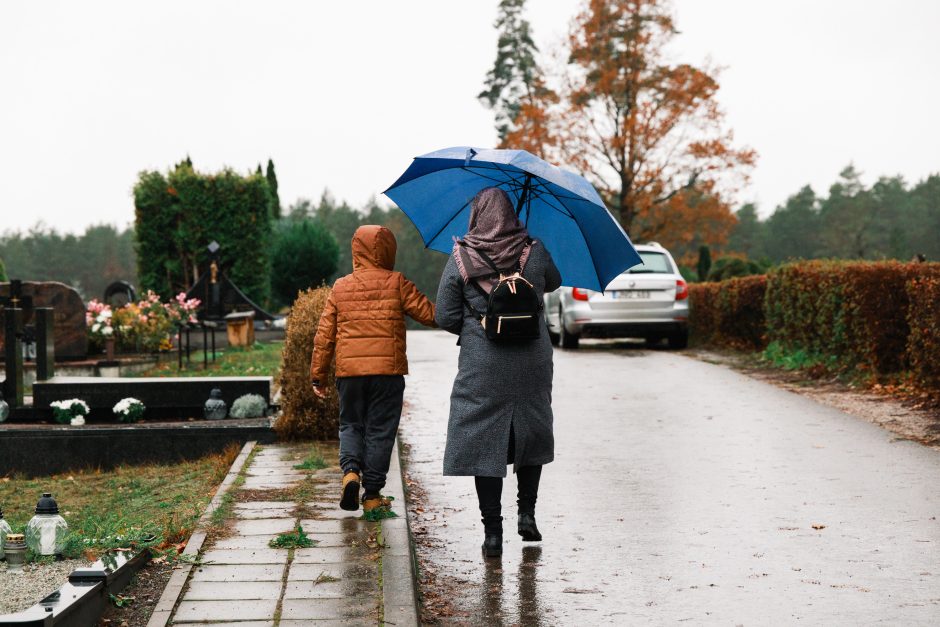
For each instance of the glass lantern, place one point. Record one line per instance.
(215, 408)
(46, 531)
(4, 530)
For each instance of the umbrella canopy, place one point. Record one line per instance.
(558, 207)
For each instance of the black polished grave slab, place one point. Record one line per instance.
(37, 450)
(164, 397)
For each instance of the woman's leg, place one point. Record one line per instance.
(489, 493)
(528, 477)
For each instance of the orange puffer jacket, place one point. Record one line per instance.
(363, 322)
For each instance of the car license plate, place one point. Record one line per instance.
(629, 294)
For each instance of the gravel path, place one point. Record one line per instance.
(20, 591)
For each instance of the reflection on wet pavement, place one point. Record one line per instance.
(681, 492)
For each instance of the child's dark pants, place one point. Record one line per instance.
(369, 412)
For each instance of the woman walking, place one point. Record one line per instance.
(500, 410)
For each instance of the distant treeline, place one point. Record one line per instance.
(88, 262)
(889, 220)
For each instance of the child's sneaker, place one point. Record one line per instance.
(350, 498)
(370, 502)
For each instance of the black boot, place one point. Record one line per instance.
(527, 528)
(493, 545)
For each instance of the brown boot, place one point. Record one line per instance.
(350, 498)
(371, 503)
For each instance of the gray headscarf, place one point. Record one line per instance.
(496, 231)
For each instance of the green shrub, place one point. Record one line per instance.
(3, 272)
(305, 255)
(923, 342)
(248, 406)
(728, 267)
(304, 415)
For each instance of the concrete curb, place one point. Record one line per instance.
(174, 587)
(400, 600)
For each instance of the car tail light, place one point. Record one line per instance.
(682, 289)
(578, 294)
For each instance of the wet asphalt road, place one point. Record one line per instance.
(685, 492)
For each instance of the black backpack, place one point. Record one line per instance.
(513, 307)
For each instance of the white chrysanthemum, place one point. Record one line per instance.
(107, 331)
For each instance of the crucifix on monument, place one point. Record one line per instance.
(16, 308)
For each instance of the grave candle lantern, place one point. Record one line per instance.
(4, 530)
(215, 408)
(15, 552)
(46, 531)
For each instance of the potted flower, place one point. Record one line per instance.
(129, 410)
(71, 411)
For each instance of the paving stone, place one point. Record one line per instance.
(254, 514)
(243, 542)
(331, 511)
(319, 609)
(263, 505)
(263, 526)
(327, 555)
(196, 611)
(247, 623)
(314, 590)
(348, 570)
(273, 463)
(258, 572)
(232, 590)
(285, 473)
(267, 483)
(344, 525)
(340, 539)
(245, 556)
(330, 622)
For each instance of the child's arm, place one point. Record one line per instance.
(324, 344)
(416, 304)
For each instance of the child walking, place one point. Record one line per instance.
(363, 325)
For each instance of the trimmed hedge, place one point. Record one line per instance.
(304, 415)
(923, 342)
(877, 318)
(854, 312)
(729, 313)
(178, 214)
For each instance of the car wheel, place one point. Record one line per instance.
(567, 340)
(679, 339)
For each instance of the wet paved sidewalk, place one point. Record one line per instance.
(682, 492)
(244, 582)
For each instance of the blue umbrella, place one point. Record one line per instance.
(558, 207)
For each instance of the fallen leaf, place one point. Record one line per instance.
(818, 526)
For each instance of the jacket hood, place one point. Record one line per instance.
(373, 246)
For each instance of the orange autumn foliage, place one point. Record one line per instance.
(650, 134)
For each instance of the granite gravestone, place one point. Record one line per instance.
(70, 336)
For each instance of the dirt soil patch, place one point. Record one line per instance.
(908, 419)
(140, 596)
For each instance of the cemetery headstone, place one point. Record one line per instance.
(119, 293)
(69, 332)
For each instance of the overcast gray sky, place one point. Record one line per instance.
(343, 94)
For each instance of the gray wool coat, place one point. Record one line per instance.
(498, 386)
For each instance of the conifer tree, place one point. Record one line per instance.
(515, 77)
(272, 185)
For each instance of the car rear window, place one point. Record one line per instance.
(652, 263)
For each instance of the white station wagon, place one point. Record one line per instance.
(649, 301)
